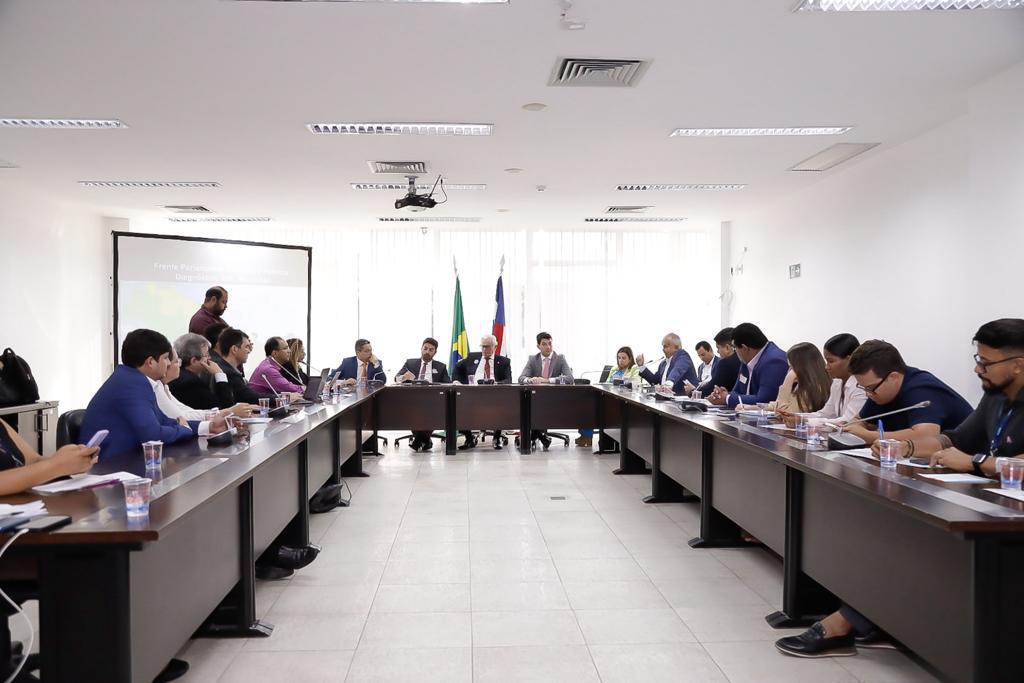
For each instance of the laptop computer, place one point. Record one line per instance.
(604, 374)
(312, 393)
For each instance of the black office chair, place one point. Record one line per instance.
(408, 437)
(69, 425)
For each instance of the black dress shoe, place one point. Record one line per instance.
(812, 643)
(415, 444)
(427, 446)
(545, 441)
(874, 640)
(468, 443)
(175, 669)
(295, 558)
(268, 572)
(499, 442)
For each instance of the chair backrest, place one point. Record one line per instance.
(68, 426)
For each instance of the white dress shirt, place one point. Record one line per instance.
(173, 408)
(844, 401)
(479, 374)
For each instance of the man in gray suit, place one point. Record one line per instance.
(546, 367)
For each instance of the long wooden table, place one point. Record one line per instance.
(936, 565)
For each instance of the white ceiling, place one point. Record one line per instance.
(221, 90)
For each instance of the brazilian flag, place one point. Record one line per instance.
(460, 340)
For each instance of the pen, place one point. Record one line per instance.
(881, 430)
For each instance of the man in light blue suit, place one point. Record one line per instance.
(762, 372)
(362, 366)
(126, 406)
(677, 368)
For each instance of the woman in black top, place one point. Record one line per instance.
(21, 468)
(293, 368)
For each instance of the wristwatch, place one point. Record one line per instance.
(978, 459)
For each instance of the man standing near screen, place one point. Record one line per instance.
(211, 311)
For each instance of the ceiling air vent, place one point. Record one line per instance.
(186, 208)
(627, 209)
(831, 157)
(606, 73)
(402, 167)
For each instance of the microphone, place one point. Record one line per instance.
(270, 385)
(654, 361)
(922, 404)
(842, 440)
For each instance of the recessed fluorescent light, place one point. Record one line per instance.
(220, 219)
(436, 2)
(903, 5)
(420, 186)
(429, 219)
(62, 123)
(685, 187)
(833, 156)
(755, 132)
(400, 128)
(632, 219)
(146, 183)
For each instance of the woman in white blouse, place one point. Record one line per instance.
(846, 399)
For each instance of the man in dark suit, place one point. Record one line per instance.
(544, 368)
(201, 384)
(362, 367)
(727, 369)
(424, 368)
(234, 347)
(126, 405)
(675, 370)
(764, 367)
(484, 367)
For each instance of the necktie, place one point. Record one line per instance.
(362, 372)
(546, 373)
(423, 370)
(487, 368)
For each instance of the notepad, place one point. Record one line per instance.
(78, 482)
(33, 509)
(957, 478)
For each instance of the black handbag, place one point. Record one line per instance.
(19, 386)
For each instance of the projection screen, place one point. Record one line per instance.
(160, 282)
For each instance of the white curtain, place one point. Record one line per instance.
(593, 291)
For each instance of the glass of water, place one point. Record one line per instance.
(264, 407)
(888, 452)
(136, 496)
(801, 426)
(1011, 472)
(153, 452)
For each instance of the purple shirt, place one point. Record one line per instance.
(201, 320)
(273, 373)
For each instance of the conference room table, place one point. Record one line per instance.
(937, 565)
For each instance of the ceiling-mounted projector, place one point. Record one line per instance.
(417, 202)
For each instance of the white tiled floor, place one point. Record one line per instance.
(462, 568)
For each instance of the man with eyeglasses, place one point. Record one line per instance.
(890, 384)
(483, 367)
(995, 428)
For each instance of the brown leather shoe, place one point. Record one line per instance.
(584, 441)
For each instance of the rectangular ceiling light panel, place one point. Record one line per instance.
(632, 219)
(68, 124)
(147, 184)
(469, 129)
(419, 186)
(903, 5)
(220, 219)
(429, 219)
(677, 187)
(758, 132)
(833, 156)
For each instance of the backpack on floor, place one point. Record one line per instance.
(19, 386)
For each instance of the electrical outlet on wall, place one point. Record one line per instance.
(794, 271)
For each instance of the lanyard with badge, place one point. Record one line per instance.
(997, 437)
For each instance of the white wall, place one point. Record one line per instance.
(918, 244)
(56, 302)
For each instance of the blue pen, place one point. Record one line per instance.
(881, 431)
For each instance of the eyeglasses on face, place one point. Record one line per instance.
(874, 388)
(986, 364)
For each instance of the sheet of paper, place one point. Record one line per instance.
(958, 478)
(84, 481)
(294, 419)
(779, 426)
(255, 420)
(908, 463)
(1009, 493)
(860, 453)
(36, 507)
